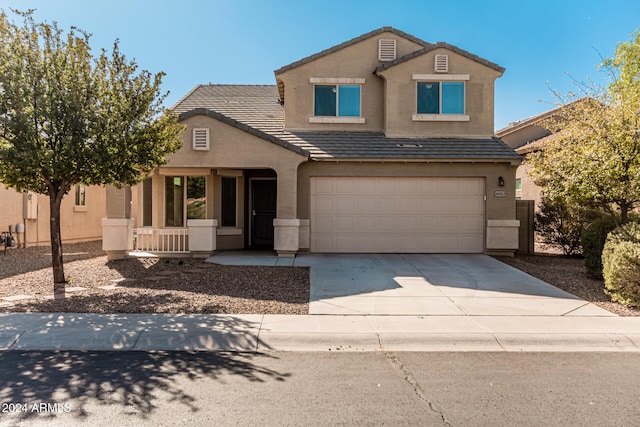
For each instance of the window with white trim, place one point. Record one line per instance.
(201, 138)
(440, 98)
(337, 100)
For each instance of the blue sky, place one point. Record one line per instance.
(539, 42)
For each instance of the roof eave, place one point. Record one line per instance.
(350, 43)
(511, 160)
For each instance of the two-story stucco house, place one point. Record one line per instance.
(383, 143)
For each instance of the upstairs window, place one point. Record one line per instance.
(337, 100)
(440, 98)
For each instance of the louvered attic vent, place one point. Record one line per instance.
(386, 50)
(441, 64)
(201, 139)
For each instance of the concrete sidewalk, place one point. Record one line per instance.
(264, 333)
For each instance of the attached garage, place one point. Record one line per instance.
(397, 215)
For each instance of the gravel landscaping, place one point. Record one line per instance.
(152, 285)
(568, 274)
(186, 285)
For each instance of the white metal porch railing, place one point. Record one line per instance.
(161, 240)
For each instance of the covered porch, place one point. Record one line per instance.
(194, 212)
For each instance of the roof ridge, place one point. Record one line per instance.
(238, 84)
(438, 45)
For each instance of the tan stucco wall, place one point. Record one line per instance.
(529, 191)
(401, 99)
(11, 207)
(77, 223)
(233, 148)
(356, 61)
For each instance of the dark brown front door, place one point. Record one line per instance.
(263, 212)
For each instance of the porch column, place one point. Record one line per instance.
(202, 237)
(286, 225)
(117, 227)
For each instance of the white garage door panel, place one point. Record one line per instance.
(397, 215)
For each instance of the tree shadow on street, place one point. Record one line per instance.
(139, 382)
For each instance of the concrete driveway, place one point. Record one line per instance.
(422, 285)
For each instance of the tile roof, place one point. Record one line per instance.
(256, 110)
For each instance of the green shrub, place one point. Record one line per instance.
(593, 239)
(559, 223)
(621, 265)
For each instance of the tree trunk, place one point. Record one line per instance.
(59, 281)
(624, 213)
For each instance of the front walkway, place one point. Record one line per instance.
(422, 285)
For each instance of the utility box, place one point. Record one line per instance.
(31, 205)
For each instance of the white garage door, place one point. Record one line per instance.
(431, 215)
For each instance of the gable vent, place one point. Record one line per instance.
(386, 49)
(441, 64)
(201, 139)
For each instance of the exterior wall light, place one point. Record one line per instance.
(501, 181)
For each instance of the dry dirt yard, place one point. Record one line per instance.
(162, 285)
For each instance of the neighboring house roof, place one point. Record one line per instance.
(537, 121)
(532, 146)
(256, 110)
(531, 121)
(438, 45)
(350, 43)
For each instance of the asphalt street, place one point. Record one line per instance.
(69, 388)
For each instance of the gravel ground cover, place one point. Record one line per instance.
(568, 274)
(186, 285)
(153, 285)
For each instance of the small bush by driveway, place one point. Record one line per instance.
(568, 274)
